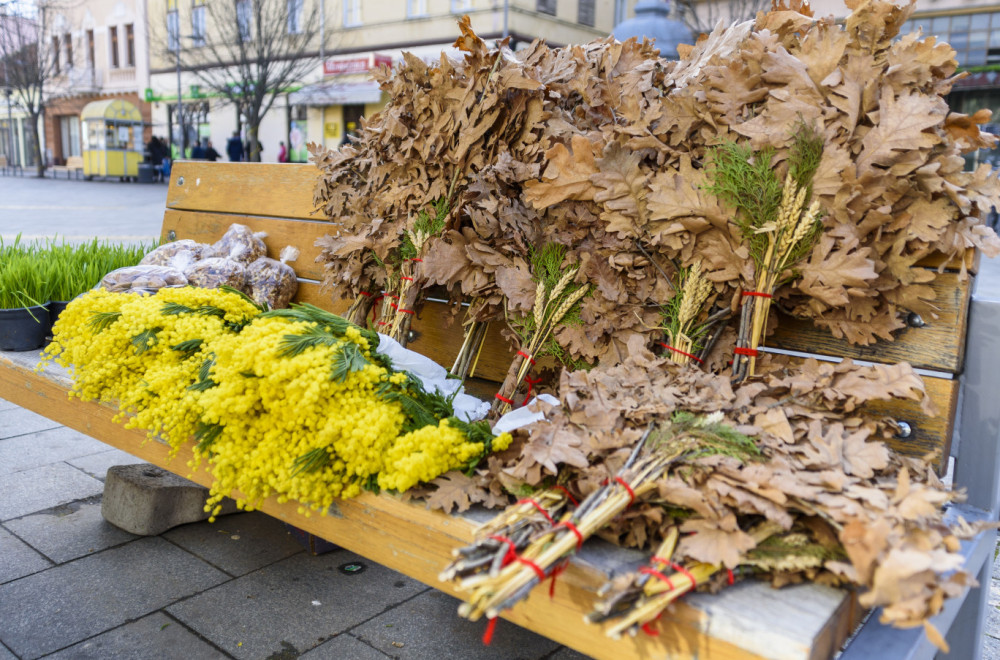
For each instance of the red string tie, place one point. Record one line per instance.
(394, 296)
(649, 630)
(685, 572)
(729, 577)
(527, 357)
(383, 323)
(541, 509)
(504, 399)
(491, 627)
(538, 569)
(751, 352)
(407, 278)
(555, 573)
(631, 493)
(680, 352)
(418, 260)
(648, 570)
(576, 530)
(404, 311)
(365, 294)
(569, 495)
(531, 383)
(511, 549)
(394, 305)
(756, 294)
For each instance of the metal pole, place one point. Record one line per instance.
(10, 133)
(180, 108)
(506, 11)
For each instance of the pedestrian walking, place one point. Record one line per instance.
(198, 151)
(282, 153)
(210, 152)
(234, 147)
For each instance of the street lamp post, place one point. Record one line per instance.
(180, 104)
(10, 132)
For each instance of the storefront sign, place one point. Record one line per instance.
(355, 65)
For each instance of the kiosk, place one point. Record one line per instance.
(113, 139)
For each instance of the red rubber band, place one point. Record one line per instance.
(527, 357)
(684, 353)
(685, 572)
(573, 528)
(503, 398)
(656, 559)
(365, 294)
(751, 352)
(540, 508)
(404, 311)
(729, 577)
(756, 294)
(407, 278)
(649, 630)
(631, 493)
(569, 495)
(491, 627)
(511, 548)
(647, 570)
(538, 569)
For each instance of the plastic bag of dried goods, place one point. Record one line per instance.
(240, 243)
(142, 278)
(214, 272)
(272, 281)
(179, 254)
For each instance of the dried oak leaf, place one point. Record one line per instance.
(715, 541)
(454, 491)
(567, 175)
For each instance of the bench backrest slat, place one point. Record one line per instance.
(278, 199)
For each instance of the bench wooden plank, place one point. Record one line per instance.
(417, 542)
(939, 345)
(268, 189)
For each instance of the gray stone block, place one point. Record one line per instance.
(69, 531)
(6, 405)
(566, 653)
(147, 500)
(155, 636)
(97, 465)
(344, 646)
(67, 604)
(241, 543)
(292, 603)
(44, 447)
(17, 558)
(428, 628)
(41, 488)
(5, 653)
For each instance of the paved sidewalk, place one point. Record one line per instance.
(73, 586)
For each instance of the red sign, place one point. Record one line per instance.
(355, 65)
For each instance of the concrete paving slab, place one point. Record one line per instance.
(428, 628)
(6, 405)
(18, 421)
(42, 488)
(293, 603)
(24, 452)
(97, 465)
(992, 626)
(238, 544)
(344, 646)
(568, 654)
(17, 558)
(155, 637)
(68, 604)
(69, 531)
(5, 653)
(991, 648)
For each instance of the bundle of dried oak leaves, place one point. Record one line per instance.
(576, 194)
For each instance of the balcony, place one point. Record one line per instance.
(124, 77)
(83, 80)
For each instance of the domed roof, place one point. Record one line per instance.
(652, 20)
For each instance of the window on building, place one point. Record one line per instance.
(974, 36)
(415, 8)
(90, 49)
(243, 19)
(55, 54)
(585, 12)
(352, 12)
(458, 6)
(69, 132)
(129, 45)
(198, 23)
(546, 7)
(68, 47)
(173, 27)
(113, 45)
(294, 8)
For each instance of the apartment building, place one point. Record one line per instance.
(101, 53)
(352, 38)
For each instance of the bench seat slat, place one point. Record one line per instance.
(279, 190)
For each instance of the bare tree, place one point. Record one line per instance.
(28, 62)
(248, 52)
(703, 15)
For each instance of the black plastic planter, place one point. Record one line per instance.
(56, 307)
(23, 329)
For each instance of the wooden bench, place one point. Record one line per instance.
(7, 168)
(74, 165)
(749, 620)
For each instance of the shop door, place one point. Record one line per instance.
(352, 121)
(69, 130)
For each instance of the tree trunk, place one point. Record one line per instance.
(36, 145)
(253, 154)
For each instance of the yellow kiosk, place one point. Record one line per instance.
(113, 144)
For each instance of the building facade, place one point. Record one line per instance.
(102, 54)
(354, 37)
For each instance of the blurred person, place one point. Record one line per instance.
(234, 147)
(210, 152)
(282, 153)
